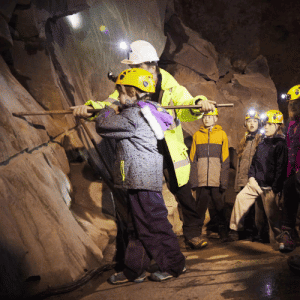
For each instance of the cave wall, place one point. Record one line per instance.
(241, 30)
(50, 207)
(57, 220)
(196, 64)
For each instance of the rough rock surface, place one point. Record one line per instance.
(243, 90)
(242, 30)
(19, 134)
(40, 241)
(185, 47)
(49, 236)
(54, 230)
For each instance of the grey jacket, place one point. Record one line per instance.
(138, 163)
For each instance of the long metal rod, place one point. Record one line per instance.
(65, 112)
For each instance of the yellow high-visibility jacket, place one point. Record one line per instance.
(176, 94)
(210, 158)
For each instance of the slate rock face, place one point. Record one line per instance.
(19, 134)
(185, 47)
(55, 226)
(55, 229)
(39, 236)
(246, 87)
(242, 30)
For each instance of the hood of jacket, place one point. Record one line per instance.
(157, 117)
(274, 140)
(214, 129)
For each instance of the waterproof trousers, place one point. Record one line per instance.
(191, 221)
(153, 236)
(205, 195)
(291, 193)
(266, 203)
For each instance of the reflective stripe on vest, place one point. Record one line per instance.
(181, 163)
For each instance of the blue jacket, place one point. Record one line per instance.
(269, 163)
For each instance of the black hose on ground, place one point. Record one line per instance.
(70, 287)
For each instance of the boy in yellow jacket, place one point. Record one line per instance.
(210, 169)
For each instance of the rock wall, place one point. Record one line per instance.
(197, 65)
(57, 220)
(241, 30)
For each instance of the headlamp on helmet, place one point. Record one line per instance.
(252, 113)
(272, 116)
(293, 93)
(138, 78)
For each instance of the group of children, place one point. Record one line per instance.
(138, 124)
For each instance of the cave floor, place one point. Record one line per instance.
(237, 270)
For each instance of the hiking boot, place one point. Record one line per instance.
(119, 278)
(285, 240)
(233, 236)
(223, 233)
(160, 276)
(196, 243)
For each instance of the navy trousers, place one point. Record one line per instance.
(151, 237)
(206, 194)
(291, 193)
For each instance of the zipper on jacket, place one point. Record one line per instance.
(208, 154)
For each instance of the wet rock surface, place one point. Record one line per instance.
(237, 270)
(57, 226)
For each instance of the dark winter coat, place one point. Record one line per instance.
(293, 143)
(138, 163)
(269, 163)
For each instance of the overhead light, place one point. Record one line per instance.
(283, 96)
(75, 20)
(123, 46)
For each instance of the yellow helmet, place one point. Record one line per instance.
(273, 116)
(138, 78)
(251, 113)
(212, 113)
(293, 93)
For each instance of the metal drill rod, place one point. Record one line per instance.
(65, 112)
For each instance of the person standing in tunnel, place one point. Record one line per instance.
(291, 189)
(210, 169)
(246, 150)
(136, 126)
(266, 175)
(176, 161)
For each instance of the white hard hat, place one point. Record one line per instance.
(140, 51)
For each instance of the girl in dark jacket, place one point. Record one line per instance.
(266, 176)
(137, 125)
